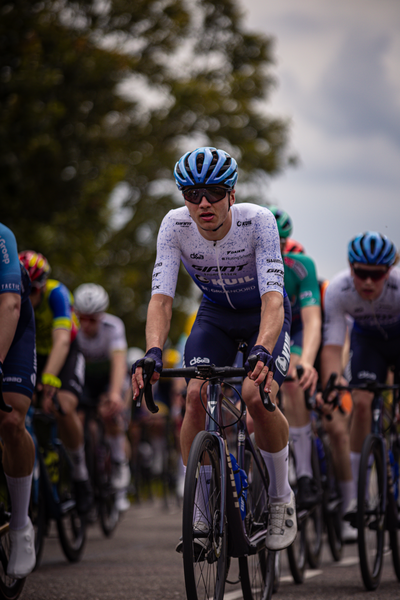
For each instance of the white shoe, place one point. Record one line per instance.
(120, 475)
(282, 525)
(351, 511)
(121, 501)
(349, 533)
(22, 556)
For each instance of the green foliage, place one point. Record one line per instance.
(96, 94)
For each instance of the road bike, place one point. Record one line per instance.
(378, 500)
(99, 465)
(53, 494)
(219, 523)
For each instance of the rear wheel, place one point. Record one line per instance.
(204, 536)
(371, 511)
(71, 526)
(315, 524)
(297, 552)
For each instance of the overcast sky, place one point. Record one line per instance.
(338, 73)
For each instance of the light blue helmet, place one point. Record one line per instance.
(207, 166)
(371, 248)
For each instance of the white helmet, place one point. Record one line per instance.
(90, 298)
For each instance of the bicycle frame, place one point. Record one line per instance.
(238, 542)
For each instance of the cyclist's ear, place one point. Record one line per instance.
(232, 197)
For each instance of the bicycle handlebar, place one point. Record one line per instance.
(199, 372)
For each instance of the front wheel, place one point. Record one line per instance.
(371, 511)
(257, 571)
(204, 533)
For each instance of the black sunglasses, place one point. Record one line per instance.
(369, 273)
(213, 194)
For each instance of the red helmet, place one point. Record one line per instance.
(294, 247)
(36, 265)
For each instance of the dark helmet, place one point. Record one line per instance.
(284, 222)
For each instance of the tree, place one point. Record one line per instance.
(79, 137)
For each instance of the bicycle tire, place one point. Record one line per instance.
(205, 570)
(331, 503)
(371, 512)
(70, 525)
(314, 526)
(108, 512)
(297, 552)
(257, 571)
(393, 511)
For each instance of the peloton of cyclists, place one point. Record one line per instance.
(302, 287)
(233, 255)
(18, 374)
(369, 293)
(103, 343)
(61, 365)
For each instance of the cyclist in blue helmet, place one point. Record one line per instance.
(232, 252)
(364, 301)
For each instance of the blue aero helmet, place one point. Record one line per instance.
(372, 248)
(206, 166)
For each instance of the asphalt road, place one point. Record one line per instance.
(139, 563)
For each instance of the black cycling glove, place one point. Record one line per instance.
(263, 355)
(154, 353)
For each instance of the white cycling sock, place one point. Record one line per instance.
(302, 439)
(79, 469)
(355, 459)
(117, 447)
(348, 493)
(277, 466)
(202, 509)
(20, 494)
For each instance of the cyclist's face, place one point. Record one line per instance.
(369, 280)
(210, 216)
(89, 324)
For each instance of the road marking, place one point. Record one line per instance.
(307, 575)
(347, 562)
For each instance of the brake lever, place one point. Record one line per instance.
(148, 370)
(307, 398)
(269, 405)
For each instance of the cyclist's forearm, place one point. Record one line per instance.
(158, 323)
(10, 305)
(59, 351)
(272, 317)
(331, 362)
(118, 371)
(311, 318)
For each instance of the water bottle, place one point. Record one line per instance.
(395, 474)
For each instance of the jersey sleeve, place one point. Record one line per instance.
(268, 254)
(166, 268)
(10, 270)
(60, 305)
(309, 294)
(335, 325)
(118, 341)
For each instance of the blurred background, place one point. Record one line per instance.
(99, 98)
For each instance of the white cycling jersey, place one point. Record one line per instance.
(109, 338)
(377, 318)
(235, 271)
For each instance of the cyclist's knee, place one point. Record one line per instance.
(12, 426)
(68, 402)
